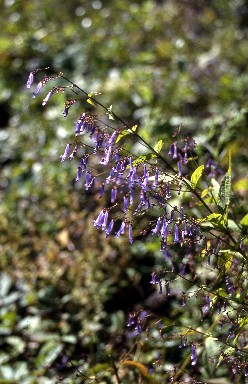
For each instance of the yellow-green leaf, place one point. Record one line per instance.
(134, 127)
(244, 221)
(196, 176)
(158, 146)
(122, 134)
(90, 101)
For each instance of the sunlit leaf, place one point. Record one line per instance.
(196, 176)
(158, 146)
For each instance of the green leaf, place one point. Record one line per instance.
(122, 134)
(225, 192)
(196, 176)
(215, 219)
(158, 146)
(244, 221)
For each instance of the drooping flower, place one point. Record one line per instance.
(99, 220)
(66, 153)
(48, 97)
(176, 234)
(110, 227)
(30, 80)
(193, 355)
(157, 227)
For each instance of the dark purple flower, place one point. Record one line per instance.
(183, 299)
(193, 355)
(101, 190)
(218, 307)
(207, 305)
(170, 149)
(167, 287)
(176, 234)
(182, 216)
(79, 173)
(30, 80)
(66, 153)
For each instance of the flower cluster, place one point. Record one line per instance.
(149, 188)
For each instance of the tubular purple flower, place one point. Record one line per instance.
(106, 158)
(99, 221)
(66, 153)
(131, 196)
(164, 230)
(101, 190)
(193, 355)
(113, 194)
(176, 234)
(121, 230)
(170, 149)
(174, 151)
(48, 97)
(65, 111)
(171, 216)
(89, 180)
(38, 88)
(110, 227)
(125, 204)
(113, 138)
(218, 307)
(30, 80)
(156, 229)
(130, 233)
(182, 216)
(105, 219)
(179, 167)
(79, 173)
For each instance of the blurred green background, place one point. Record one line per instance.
(64, 289)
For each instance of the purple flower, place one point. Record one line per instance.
(130, 233)
(105, 219)
(38, 88)
(121, 230)
(79, 173)
(66, 153)
(89, 181)
(101, 190)
(30, 80)
(176, 234)
(164, 230)
(125, 204)
(48, 96)
(174, 151)
(110, 227)
(113, 194)
(156, 229)
(193, 355)
(99, 221)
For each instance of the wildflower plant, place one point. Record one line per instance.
(186, 206)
